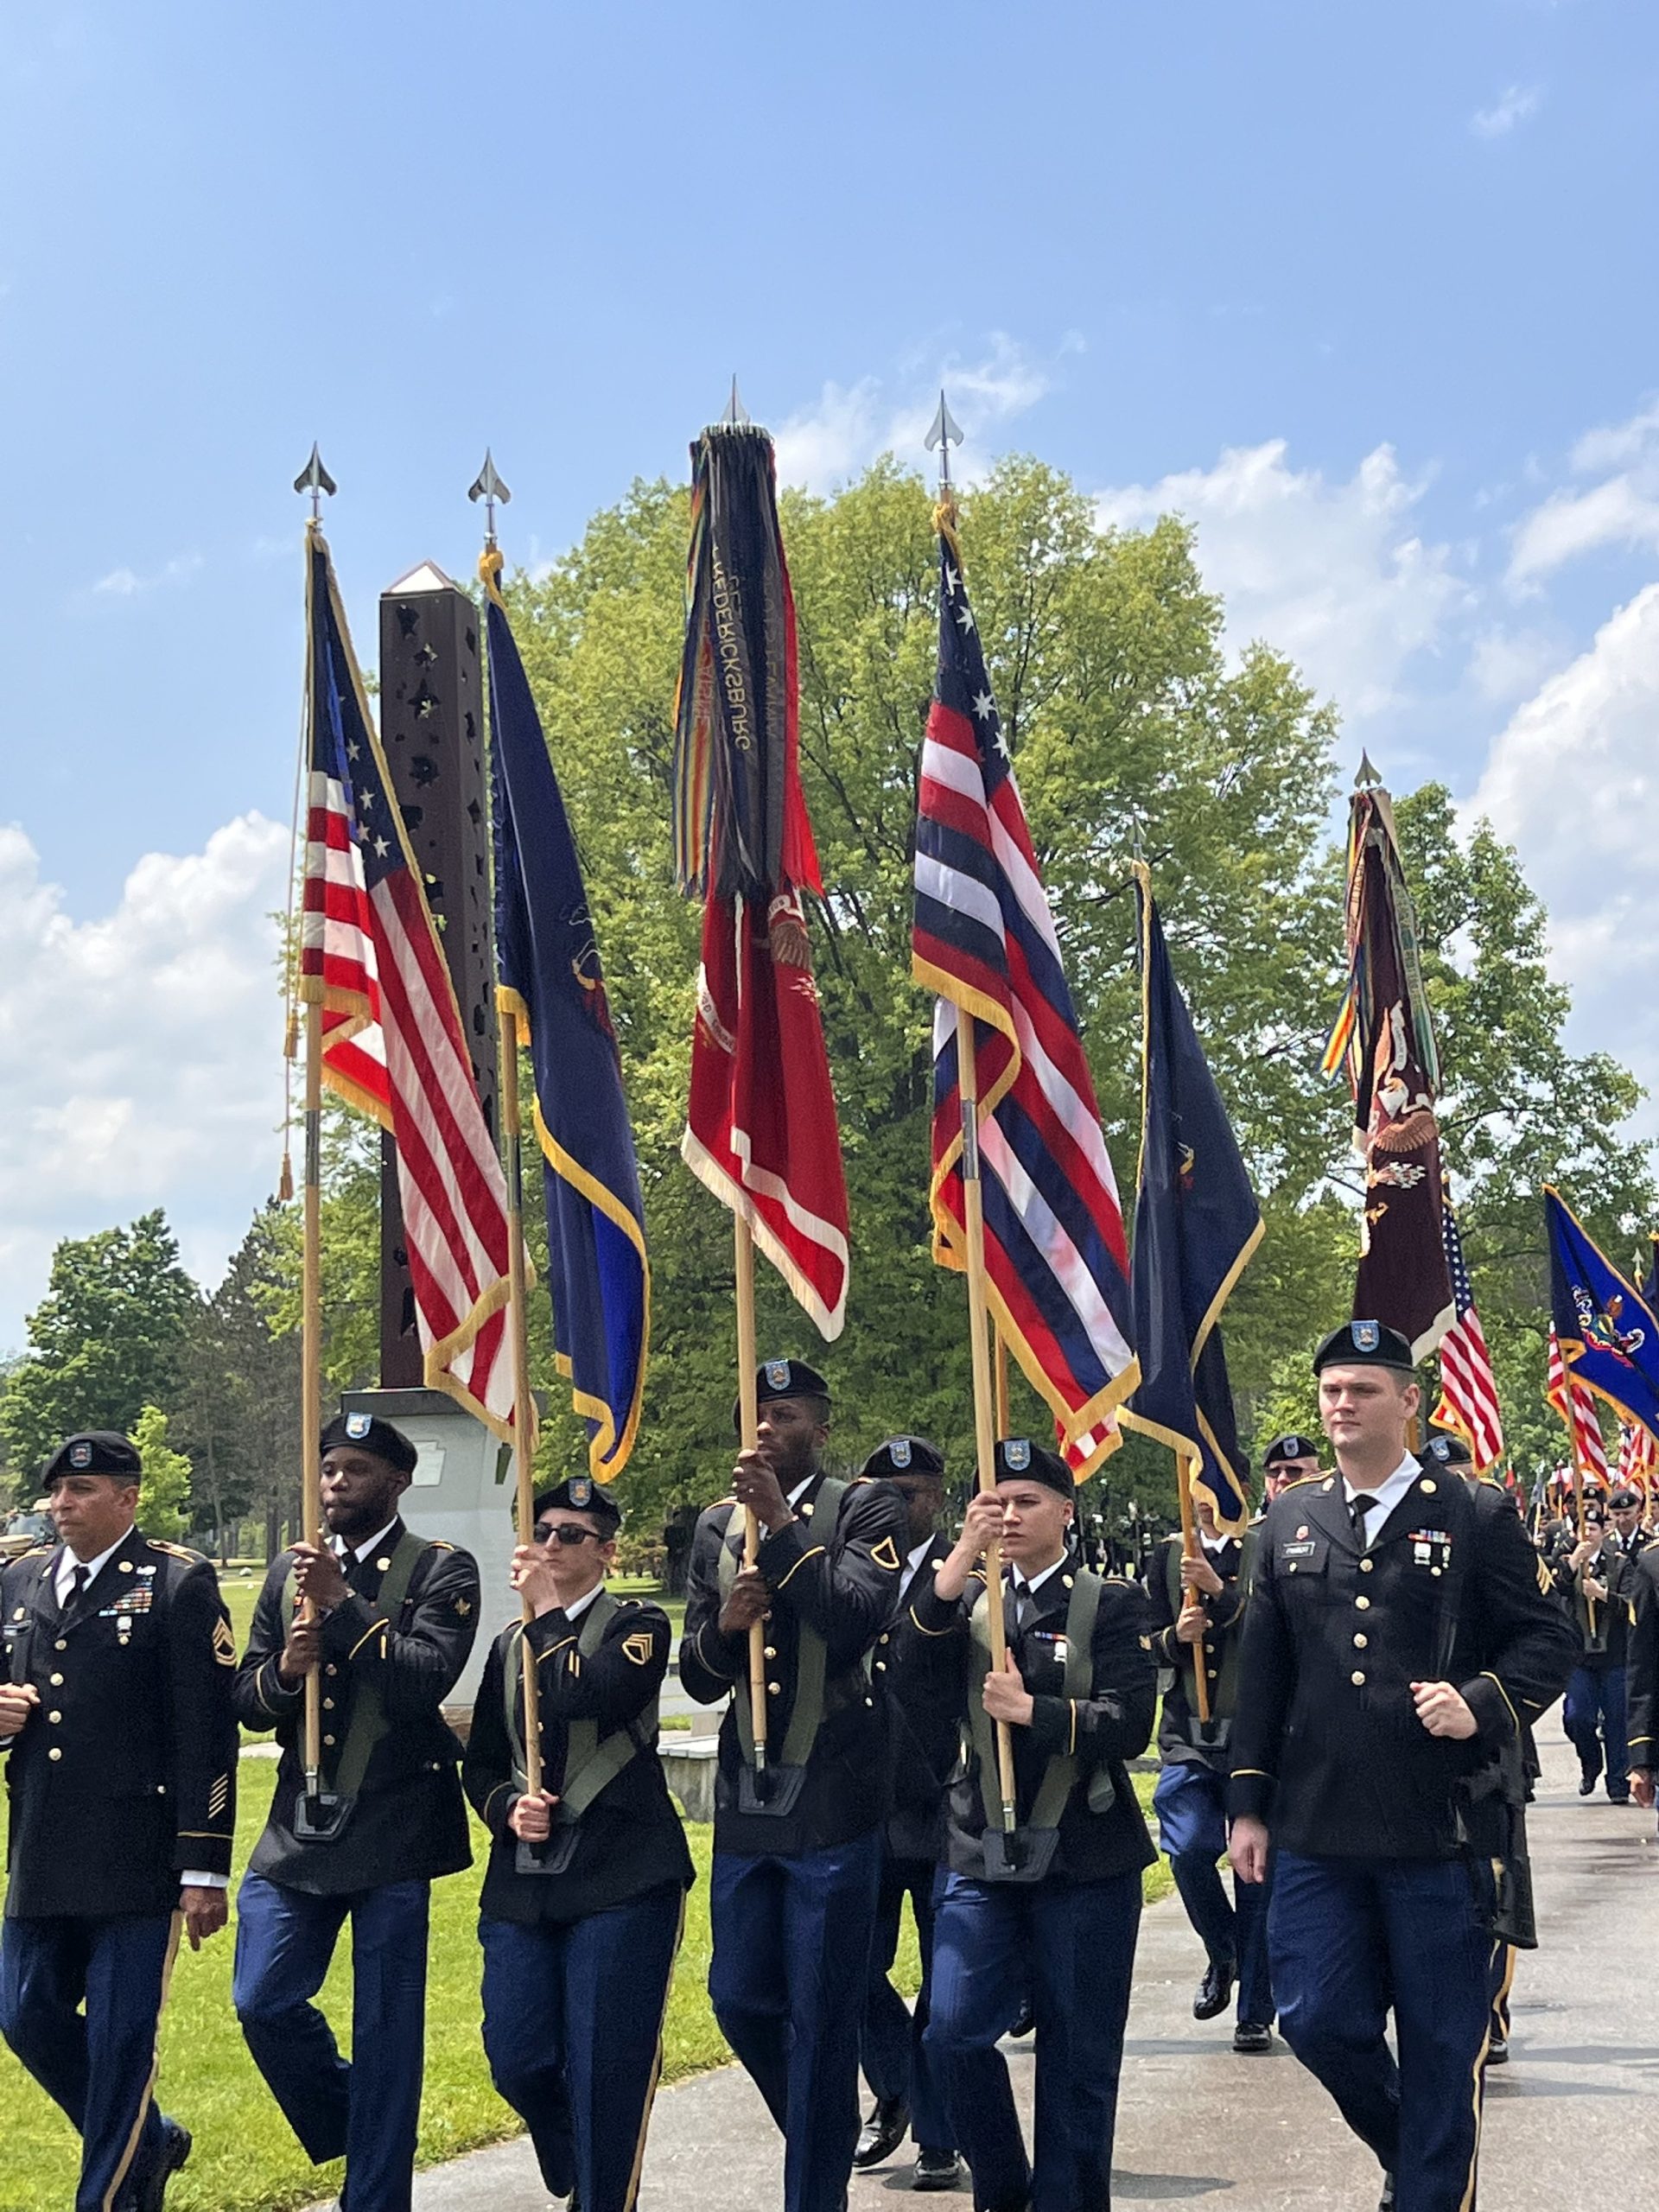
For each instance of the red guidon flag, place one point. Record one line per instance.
(760, 1120)
(392, 1040)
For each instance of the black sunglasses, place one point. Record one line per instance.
(566, 1533)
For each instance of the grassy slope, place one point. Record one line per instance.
(245, 2160)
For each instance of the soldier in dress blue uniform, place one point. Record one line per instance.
(792, 1893)
(1292, 1457)
(396, 1614)
(1077, 1695)
(578, 1954)
(115, 1709)
(1197, 1608)
(915, 1677)
(1592, 1578)
(1398, 1634)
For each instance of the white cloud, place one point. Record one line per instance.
(1573, 783)
(1504, 663)
(127, 583)
(848, 426)
(1621, 509)
(139, 1052)
(1331, 573)
(1516, 103)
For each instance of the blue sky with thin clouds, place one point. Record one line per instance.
(1369, 294)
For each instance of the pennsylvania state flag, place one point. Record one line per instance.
(547, 964)
(1607, 1330)
(1195, 1225)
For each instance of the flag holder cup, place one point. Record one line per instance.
(319, 1816)
(772, 1790)
(1020, 1855)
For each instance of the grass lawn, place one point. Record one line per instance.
(245, 2160)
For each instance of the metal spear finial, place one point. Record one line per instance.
(945, 433)
(489, 488)
(736, 412)
(315, 479)
(1367, 778)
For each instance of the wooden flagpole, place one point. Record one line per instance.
(311, 1364)
(524, 1405)
(1192, 1603)
(750, 1436)
(984, 1397)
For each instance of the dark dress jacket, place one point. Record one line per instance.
(1104, 1730)
(1642, 1657)
(631, 1839)
(123, 1777)
(410, 1820)
(1327, 1747)
(916, 1678)
(1179, 1739)
(842, 1583)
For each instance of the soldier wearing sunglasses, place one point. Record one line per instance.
(584, 1892)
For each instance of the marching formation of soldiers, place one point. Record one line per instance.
(1350, 1689)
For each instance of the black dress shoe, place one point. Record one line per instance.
(882, 2133)
(1586, 1783)
(1215, 1991)
(937, 2170)
(1385, 2202)
(149, 2189)
(1251, 2038)
(1025, 2020)
(1497, 2051)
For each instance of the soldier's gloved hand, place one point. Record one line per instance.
(1007, 1697)
(1642, 1786)
(1442, 1710)
(17, 1701)
(749, 1601)
(300, 1652)
(755, 1483)
(318, 1576)
(531, 1818)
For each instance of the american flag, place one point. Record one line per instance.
(1055, 1253)
(1576, 1407)
(1638, 1455)
(392, 1040)
(1468, 1400)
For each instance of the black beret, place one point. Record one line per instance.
(94, 1452)
(1622, 1499)
(904, 1455)
(582, 1494)
(1364, 1344)
(1290, 1445)
(783, 1378)
(1020, 1460)
(1449, 1450)
(370, 1434)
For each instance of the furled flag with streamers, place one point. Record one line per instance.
(1638, 1456)
(392, 1040)
(760, 1120)
(1577, 1408)
(551, 980)
(1056, 1259)
(1385, 1038)
(1468, 1401)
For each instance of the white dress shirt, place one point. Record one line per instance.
(914, 1567)
(64, 1573)
(1387, 1496)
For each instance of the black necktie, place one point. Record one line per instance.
(1021, 1605)
(77, 1583)
(1357, 1508)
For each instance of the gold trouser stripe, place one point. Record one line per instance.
(1501, 2004)
(118, 2181)
(656, 2070)
(1467, 2201)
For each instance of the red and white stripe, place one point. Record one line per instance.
(1576, 1407)
(1469, 1391)
(393, 1046)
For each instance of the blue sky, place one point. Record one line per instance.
(1369, 294)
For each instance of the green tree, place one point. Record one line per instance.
(104, 1342)
(164, 1485)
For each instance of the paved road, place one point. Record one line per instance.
(1574, 2117)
